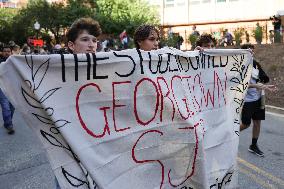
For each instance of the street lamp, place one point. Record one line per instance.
(37, 27)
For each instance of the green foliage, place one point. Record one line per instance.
(113, 15)
(117, 15)
(76, 9)
(53, 18)
(238, 33)
(192, 39)
(258, 33)
(6, 18)
(277, 37)
(170, 41)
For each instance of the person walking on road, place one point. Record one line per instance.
(254, 107)
(7, 108)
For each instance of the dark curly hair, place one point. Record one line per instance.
(247, 46)
(205, 39)
(81, 24)
(143, 32)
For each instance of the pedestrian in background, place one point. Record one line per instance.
(195, 32)
(205, 41)
(7, 108)
(194, 36)
(254, 107)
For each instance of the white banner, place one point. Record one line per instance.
(134, 119)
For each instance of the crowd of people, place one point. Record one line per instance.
(83, 38)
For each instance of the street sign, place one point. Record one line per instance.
(35, 42)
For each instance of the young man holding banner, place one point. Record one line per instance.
(82, 36)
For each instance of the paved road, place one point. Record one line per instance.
(263, 173)
(23, 164)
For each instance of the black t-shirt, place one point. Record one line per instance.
(2, 59)
(277, 24)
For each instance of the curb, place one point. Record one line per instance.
(274, 109)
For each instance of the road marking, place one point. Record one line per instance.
(261, 172)
(256, 179)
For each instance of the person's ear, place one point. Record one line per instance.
(139, 43)
(71, 45)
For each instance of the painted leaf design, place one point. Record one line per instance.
(49, 111)
(28, 63)
(235, 80)
(51, 139)
(43, 119)
(95, 185)
(74, 181)
(40, 73)
(236, 89)
(28, 82)
(235, 57)
(61, 123)
(234, 69)
(48, 94)
(54, 130)
(30, 99)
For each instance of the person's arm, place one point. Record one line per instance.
(261, 86)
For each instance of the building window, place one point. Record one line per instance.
(194, 2)
(221, 1)
(180, 3)
(206, 1)
(169, 3)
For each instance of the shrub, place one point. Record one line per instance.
(192, 39)
(238, 33)
(258, 33)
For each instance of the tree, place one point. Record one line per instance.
(192, 39)
(54, 17)
(6, 18)
(76, 9)
(117, 15)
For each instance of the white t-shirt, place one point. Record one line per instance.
(253, 94)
